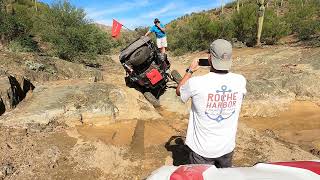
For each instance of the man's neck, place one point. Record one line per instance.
(218, 71)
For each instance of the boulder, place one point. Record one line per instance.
(45, 68)
(169, 101)
(12, 91)
(4, 99)
(237, 44)
(81, 102)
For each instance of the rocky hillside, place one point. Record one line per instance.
(194, 32)
(72, 121)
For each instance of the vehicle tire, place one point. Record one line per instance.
(176, 76)
(153, 100)
(129, 83)
(139, 56)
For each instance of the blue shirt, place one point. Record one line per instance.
(157, 31)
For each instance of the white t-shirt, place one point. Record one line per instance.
(213, 120)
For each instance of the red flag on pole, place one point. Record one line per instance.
(116, 27)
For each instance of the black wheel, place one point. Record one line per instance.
(152, 99)
(176, 76)
(139, 56)
(129, 83)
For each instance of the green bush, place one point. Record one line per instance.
(304, 20)
(246, 24)
(307, 29)
(15, 46)
(274, 28)
(62, 27)
(23, 44)
(226, 28)
(180, 41)
(195, 34)
(63, 30)
(11, 27)
(72, 36)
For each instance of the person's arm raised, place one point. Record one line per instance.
(161, 28)
(147, 33)
(193, 68)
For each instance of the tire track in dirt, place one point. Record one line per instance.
(137, 144)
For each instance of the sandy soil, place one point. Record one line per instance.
(299, 125)
(133, 148)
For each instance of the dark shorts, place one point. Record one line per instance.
(224, 161)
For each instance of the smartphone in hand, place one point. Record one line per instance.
(204, 62)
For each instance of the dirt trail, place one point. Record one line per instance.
(131, 148)
(299, 125)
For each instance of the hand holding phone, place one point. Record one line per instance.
(204, 62)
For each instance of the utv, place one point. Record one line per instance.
(147, 69)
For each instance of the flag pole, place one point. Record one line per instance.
(123, 25)
(126, 27)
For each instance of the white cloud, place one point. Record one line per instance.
(169, 11)
(163, 10)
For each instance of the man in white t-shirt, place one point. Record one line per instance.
(216, 103)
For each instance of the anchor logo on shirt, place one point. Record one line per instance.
(225, 108)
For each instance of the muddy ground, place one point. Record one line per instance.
(91, 126)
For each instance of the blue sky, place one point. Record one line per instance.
(136, 13)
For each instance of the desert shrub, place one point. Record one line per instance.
(15, 46)
(62, 27)
(11, 27)
(304, 19)
(226, 28)
(204, 30)
(307, 29)
(181, 41)
(23, 44)
(70, 33)
(196, 34)
(245, 23)
(274, 28)
(141, 31)
(26, 12)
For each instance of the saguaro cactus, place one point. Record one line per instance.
(261, 4)
(238, 6)
(36, 5)
(222, 6)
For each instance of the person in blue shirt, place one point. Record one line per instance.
(160, 33)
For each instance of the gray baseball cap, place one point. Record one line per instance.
(221, 52)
